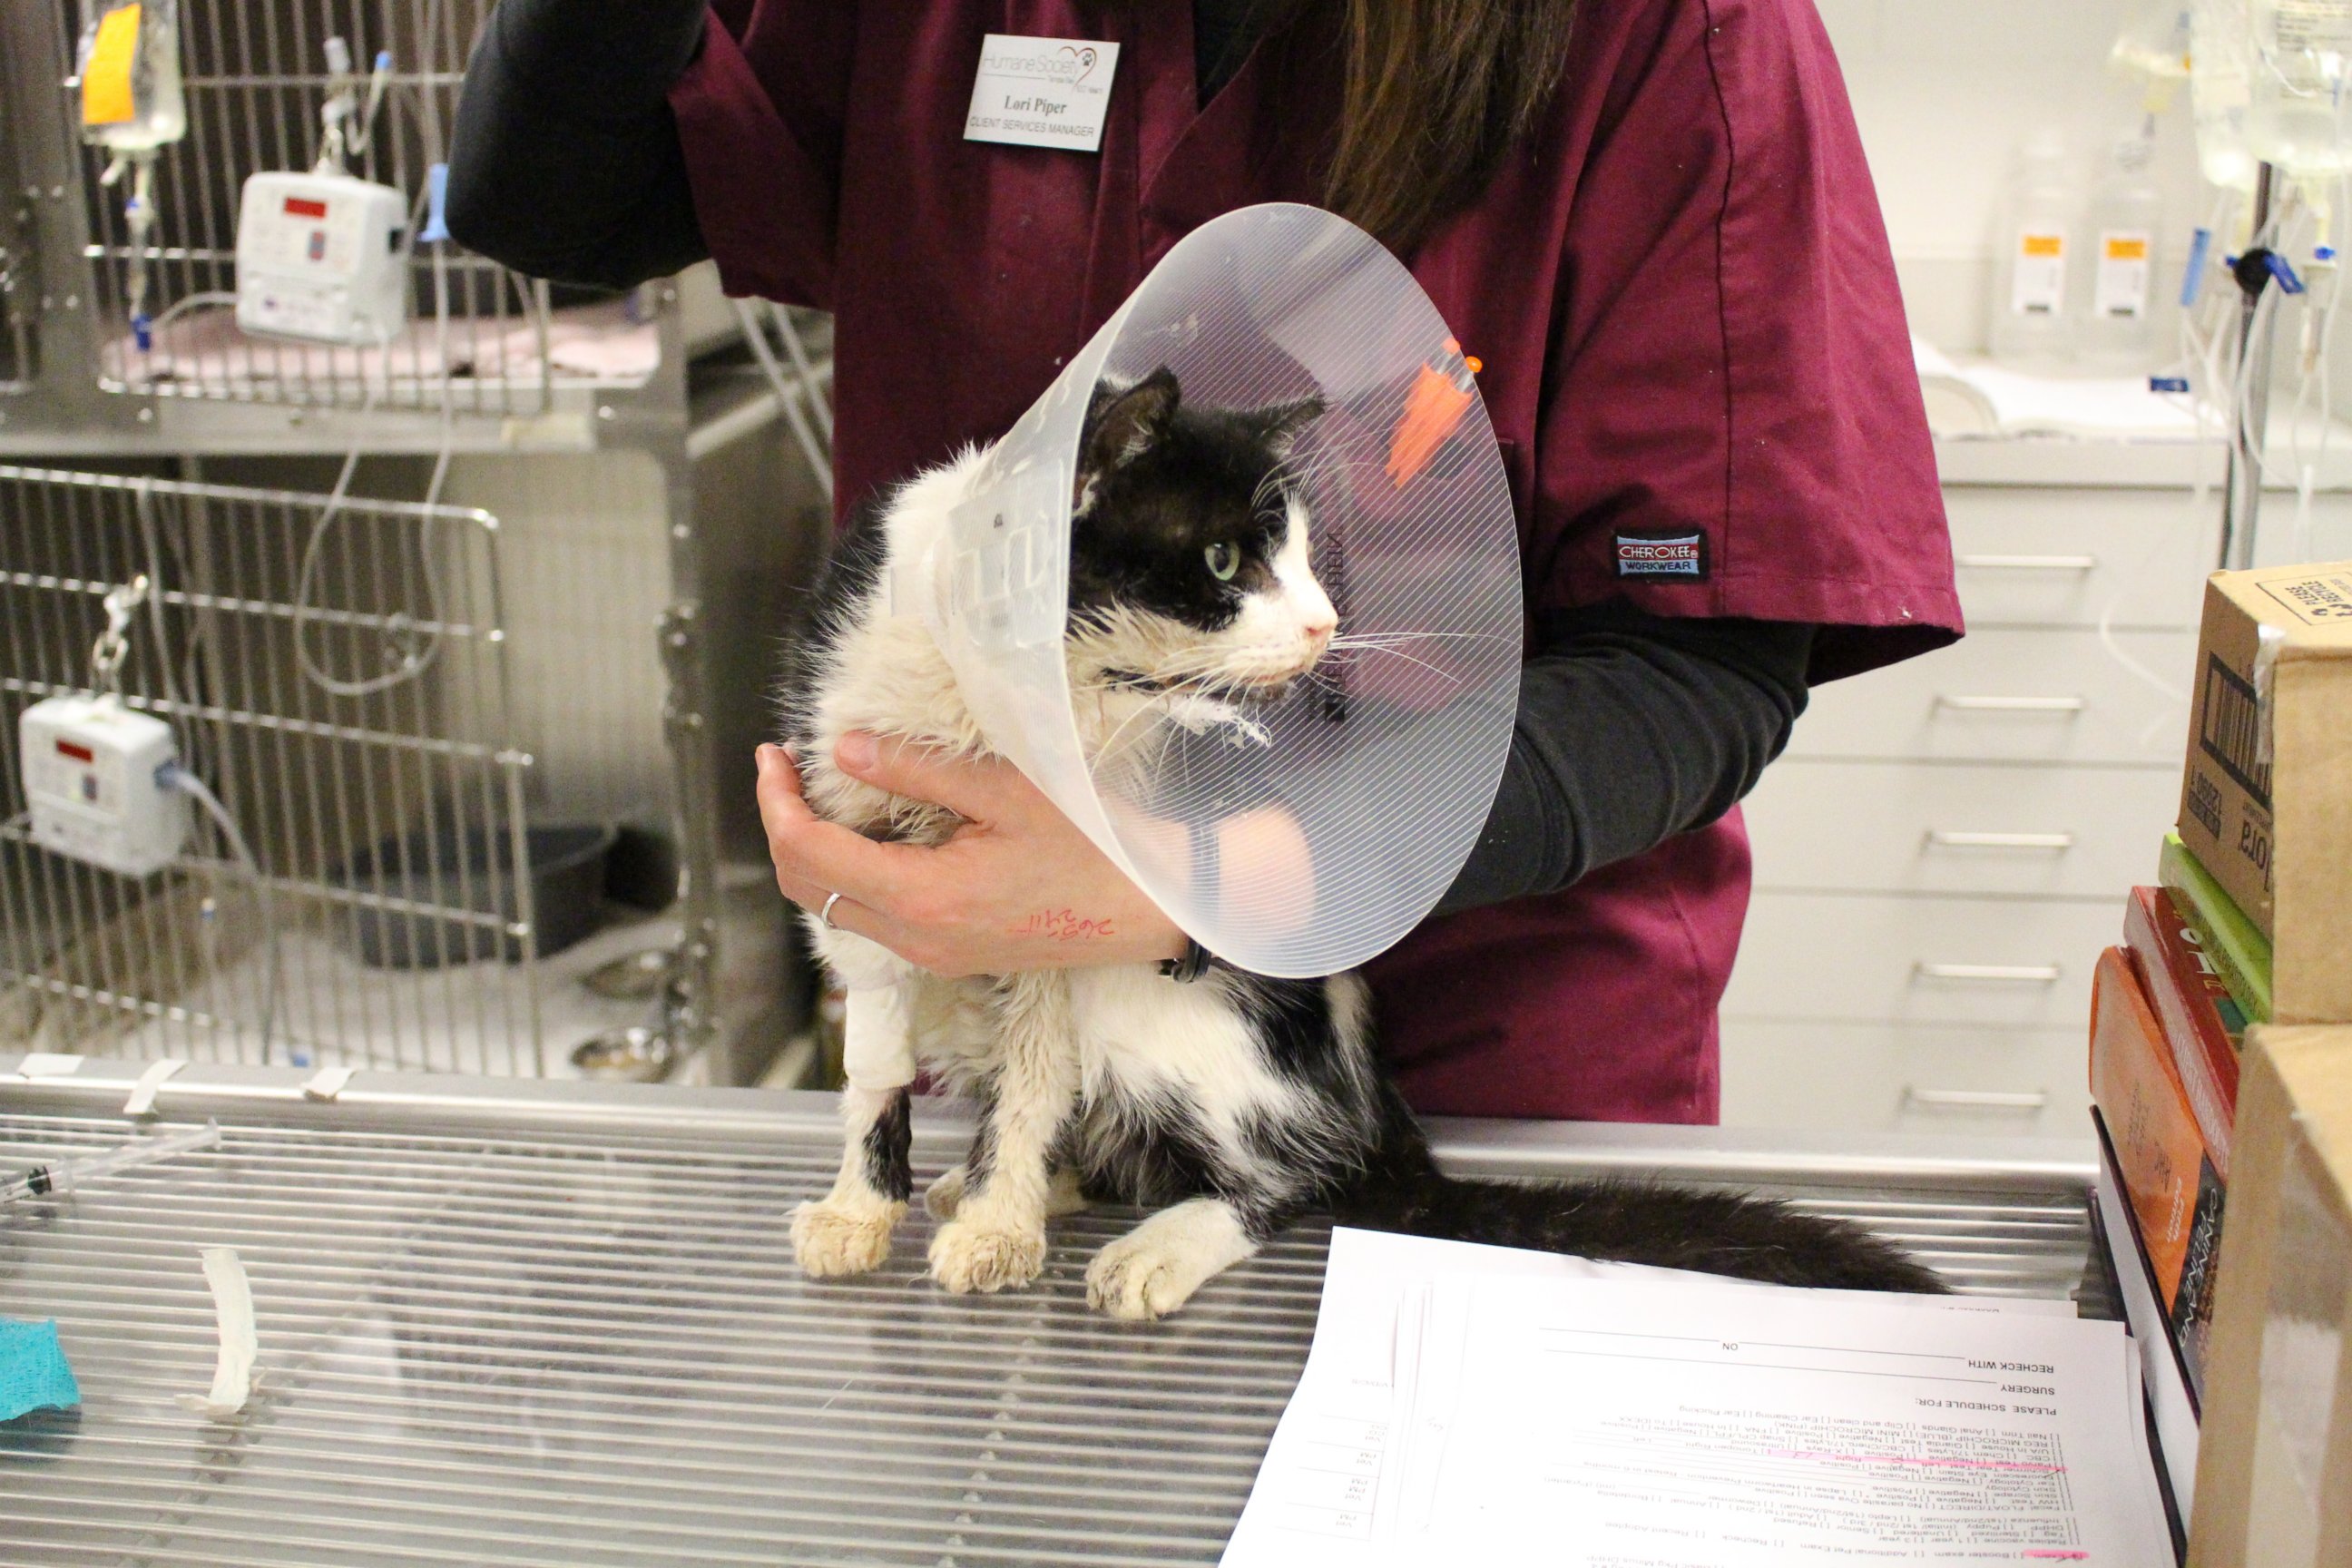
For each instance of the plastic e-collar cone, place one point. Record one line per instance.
(1305, 833)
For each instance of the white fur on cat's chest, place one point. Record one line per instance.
(1137, 1035)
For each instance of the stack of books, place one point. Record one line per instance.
(2266, 861)
(2205, 956)
(2227, 1212)
(2170, 1012)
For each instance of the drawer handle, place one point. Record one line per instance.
(1993, 974)
(1975, 1100)
(2029, 563)
(2057, 843)
(2013, 704)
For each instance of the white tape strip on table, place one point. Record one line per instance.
(47, 1064)
(327, 1083)
(239, 1344)
(142, 1093)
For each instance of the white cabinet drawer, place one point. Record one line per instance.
(1958, 827)
(2010, 696)
(2014, 962)
(1882, 1078)
(2061, 557)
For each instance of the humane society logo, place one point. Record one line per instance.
(1068, 66)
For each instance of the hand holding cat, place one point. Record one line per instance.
(1018, 887)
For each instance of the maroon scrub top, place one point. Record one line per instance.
(1680, 288)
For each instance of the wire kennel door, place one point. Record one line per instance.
(15, 313)
(484, 338)
(337, 673)
(15, 332)
(18, 294)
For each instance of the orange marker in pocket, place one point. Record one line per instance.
(1441, 396)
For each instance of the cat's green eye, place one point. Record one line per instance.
(1224, 560)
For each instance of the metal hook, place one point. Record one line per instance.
(107, 654)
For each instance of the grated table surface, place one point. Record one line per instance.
(528, 1342)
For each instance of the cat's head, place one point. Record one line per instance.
(1190, 559)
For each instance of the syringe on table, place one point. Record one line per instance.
(65, 1176)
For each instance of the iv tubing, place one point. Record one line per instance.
(176, 777)
(2250, 412)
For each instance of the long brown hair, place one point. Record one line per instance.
(1436, 90)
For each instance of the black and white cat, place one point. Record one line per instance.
(1230, 1104)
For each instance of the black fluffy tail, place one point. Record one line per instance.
(1635, 1222)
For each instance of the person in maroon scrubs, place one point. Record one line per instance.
(1669, 259)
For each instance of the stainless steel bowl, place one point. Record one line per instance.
(634, 1055)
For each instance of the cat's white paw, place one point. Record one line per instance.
(968, 1255)
(1140, 1280)
(839, 1236)
(945, 1192)
(1154, 1269)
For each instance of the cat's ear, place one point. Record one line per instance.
(1279, 424)
(1125, 422)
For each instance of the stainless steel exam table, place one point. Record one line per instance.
(525, 1322)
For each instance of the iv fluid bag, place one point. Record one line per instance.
(2268, 79)
(2156, 45)
(129, 67)
(2221, 92)
(2300, 120)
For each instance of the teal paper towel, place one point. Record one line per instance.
(33, 1370)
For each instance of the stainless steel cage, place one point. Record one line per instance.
(658, 517)
(336, 672)
(479, 339)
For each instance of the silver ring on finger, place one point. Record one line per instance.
(824, 915)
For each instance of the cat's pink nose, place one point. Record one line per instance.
(1319, 629)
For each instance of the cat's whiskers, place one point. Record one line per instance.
(1231, 672)
(1351, 640)
(1204, 679)
(1283, 483)
(1387, 643)
(1146, 702)
(1117, 643)
(1446, 676)
(1330, 461)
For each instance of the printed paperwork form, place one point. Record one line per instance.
(1472, 1403)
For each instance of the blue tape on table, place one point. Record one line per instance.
(33, 1371)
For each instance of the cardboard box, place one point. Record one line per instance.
(2266, 797)
(2274, 1465)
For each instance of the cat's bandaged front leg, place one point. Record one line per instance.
(878, 1043)
(877, 1050)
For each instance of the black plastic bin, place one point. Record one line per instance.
(453, 870)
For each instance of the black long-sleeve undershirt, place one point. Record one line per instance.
(1631, 728)
(566, 164)
(565, 160)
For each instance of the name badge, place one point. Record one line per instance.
(1040, 92)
